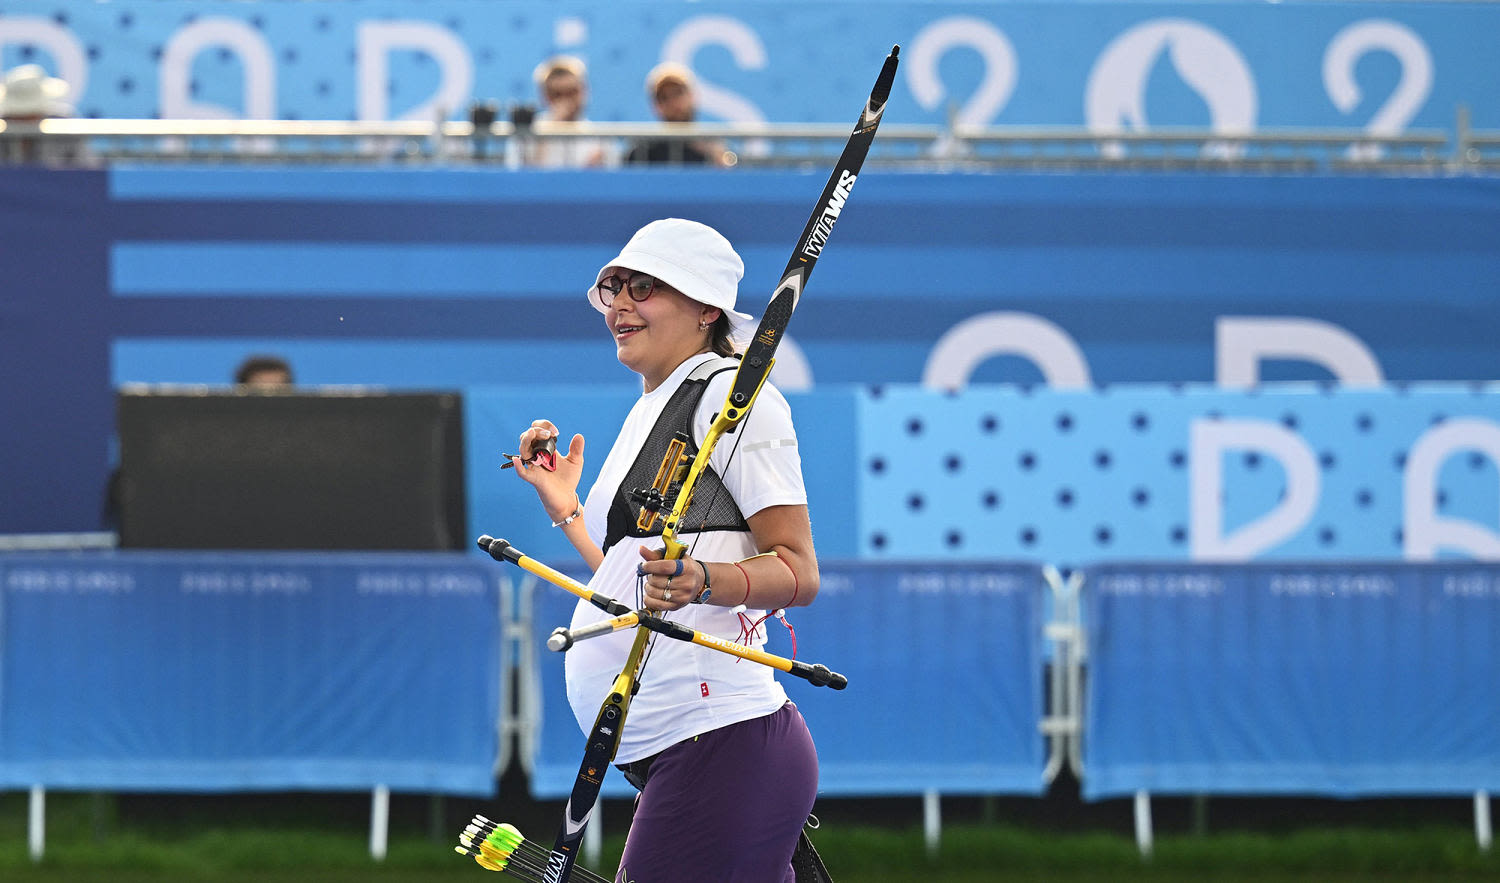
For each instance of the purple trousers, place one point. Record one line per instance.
(728, 805)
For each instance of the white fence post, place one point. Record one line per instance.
(36, 822)
(1143, 836)
(932, 820)
(380, 817)
(1484, 835)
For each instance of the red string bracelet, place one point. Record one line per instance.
(737, 566)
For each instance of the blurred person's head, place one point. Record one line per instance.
(28, 93)
(265, 372)
(670, 86)
(563, 83)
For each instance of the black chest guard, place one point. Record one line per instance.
(713, 507)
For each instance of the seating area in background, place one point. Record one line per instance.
(1364, 88)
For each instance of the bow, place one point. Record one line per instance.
(759, 356)
(749, 377)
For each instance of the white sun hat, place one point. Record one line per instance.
(27, 91)
(692, 258)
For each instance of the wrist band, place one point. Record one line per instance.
(577, 511)
(707, 589)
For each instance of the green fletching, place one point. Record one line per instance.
(507, 837)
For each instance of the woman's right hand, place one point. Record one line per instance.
(558, 489)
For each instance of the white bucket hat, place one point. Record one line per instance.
(27, 91)
(692, 258)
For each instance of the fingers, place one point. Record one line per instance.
(669, 584)
(536, 436)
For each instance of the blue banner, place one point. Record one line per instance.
(1194, 473)
(444, 279)
(902, 473)
(450, 278)
(1383, 67)
(223, 672)
(1346, 680)
(945, 689)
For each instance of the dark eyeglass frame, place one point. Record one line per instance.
(610, 286)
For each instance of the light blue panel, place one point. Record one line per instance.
(500, 503)
(449, 184)
(1469, 488)
(1075, 477)
(1340, 679)
(826, 440)
(349, 269)
(1004, 473)
(530, 270)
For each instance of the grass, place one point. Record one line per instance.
(85, 843)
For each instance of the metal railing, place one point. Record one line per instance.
(93, 142)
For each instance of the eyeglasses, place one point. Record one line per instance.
(639, 286)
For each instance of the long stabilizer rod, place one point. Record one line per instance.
(501, 550)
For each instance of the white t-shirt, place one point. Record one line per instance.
(686, 689)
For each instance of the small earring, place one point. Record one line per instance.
(702, 326)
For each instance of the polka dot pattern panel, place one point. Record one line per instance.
(390, 59)
(1160, 473)
(1016, 63)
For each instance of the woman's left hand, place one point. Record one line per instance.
(669, 585)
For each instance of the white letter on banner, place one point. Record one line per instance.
(43, 33)
(742, 42)
(1353, 42)
(1115, 97)
(1242, 342)
(1424, 529)
(1209, 439)
(177, 70)
(934, 41)
(376, 40)
(969, 343)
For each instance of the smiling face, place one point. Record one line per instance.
(655, 335)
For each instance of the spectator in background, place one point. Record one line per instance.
(28, 96)
(264, 372)
(257, 373)
(670, 86)
(562, 82)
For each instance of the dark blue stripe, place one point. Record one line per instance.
(1409, 215)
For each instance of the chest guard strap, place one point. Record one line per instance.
(712, 508)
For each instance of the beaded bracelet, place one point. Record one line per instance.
(577, 511)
